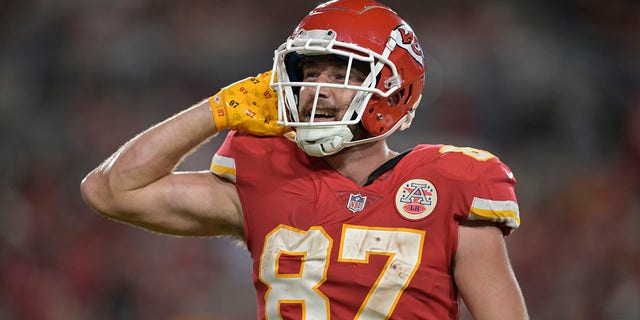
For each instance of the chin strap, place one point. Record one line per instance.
(325, 141)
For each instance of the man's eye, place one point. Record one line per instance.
(339, 76)
(356, 79)
(356, 76)
(311, 75)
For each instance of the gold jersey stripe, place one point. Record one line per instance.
(224, 167)
(506, 211)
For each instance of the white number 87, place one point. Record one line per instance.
(402, 246)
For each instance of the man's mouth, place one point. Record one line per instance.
(322, 115)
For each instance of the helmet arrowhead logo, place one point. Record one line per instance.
(406, 39)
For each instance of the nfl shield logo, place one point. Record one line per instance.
(356, 202)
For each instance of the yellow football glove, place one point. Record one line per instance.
(248, 105)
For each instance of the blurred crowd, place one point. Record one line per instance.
(551, 87)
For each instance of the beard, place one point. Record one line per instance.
(359, 132)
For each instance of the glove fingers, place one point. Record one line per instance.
(249, 105)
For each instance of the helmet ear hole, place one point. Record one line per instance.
(394, 99)
(407, 97)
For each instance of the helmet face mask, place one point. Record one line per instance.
(362, 35)
(315, 43)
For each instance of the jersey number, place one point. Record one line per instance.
(403, 247)
(477, 154)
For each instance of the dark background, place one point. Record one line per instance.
(551, 87)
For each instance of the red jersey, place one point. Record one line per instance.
(324, 247)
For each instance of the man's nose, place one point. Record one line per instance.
(319, 89)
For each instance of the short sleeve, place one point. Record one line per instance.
(223, 163)
(495, 199)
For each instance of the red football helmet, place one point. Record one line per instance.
(362, 32)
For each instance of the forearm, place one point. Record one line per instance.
(137, 184)
(157, 151)
(148, 157)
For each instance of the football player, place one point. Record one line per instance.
(338, 224)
